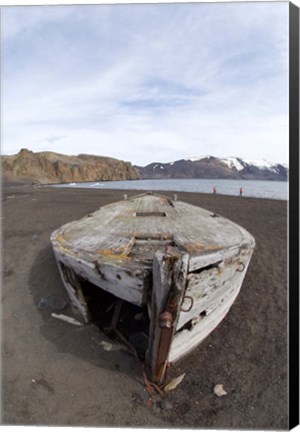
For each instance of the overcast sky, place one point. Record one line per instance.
(147, 83)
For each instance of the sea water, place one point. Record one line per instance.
(251, 188)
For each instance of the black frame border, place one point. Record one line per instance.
(293, 233)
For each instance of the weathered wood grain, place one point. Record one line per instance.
(111, 231)
(191, 261)
(169, 277)
(216, 306)
(208, 288)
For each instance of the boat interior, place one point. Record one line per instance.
(117, 318)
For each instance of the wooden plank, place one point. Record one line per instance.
(187, 339)
(130, 285)
(207, 288)
(74, 291)
(161, 284)
(116, 315)
(169, 280)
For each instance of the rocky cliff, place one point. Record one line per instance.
(49, 167)
(215, 168)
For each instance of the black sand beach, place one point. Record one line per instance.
(54, 373)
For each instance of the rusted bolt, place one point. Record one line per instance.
(166, 319)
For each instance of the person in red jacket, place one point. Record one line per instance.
(215, 190)
(241, 191)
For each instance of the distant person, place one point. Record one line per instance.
(215, 190)
(241, 191)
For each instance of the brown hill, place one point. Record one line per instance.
(49, 167)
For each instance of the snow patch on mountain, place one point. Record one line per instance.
(233, 162)
(239, 164)
(262, 164)
(197, 158)
(158, 166)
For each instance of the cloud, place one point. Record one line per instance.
(147, 82)
(51, 139)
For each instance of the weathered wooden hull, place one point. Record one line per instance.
(213, 292)
(186, 264)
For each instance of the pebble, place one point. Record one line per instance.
(53, 303)
(157, 407)
(219, 390)
(166, 405)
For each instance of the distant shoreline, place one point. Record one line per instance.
(130, 192)
(230, 187)
(21, 182)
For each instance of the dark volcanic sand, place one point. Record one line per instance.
(54, 373)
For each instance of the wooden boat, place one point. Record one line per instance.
(180, 265)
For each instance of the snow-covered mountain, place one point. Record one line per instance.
(213, 167)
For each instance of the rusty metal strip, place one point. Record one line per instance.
(169, 283)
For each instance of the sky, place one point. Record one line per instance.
(146, 82)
